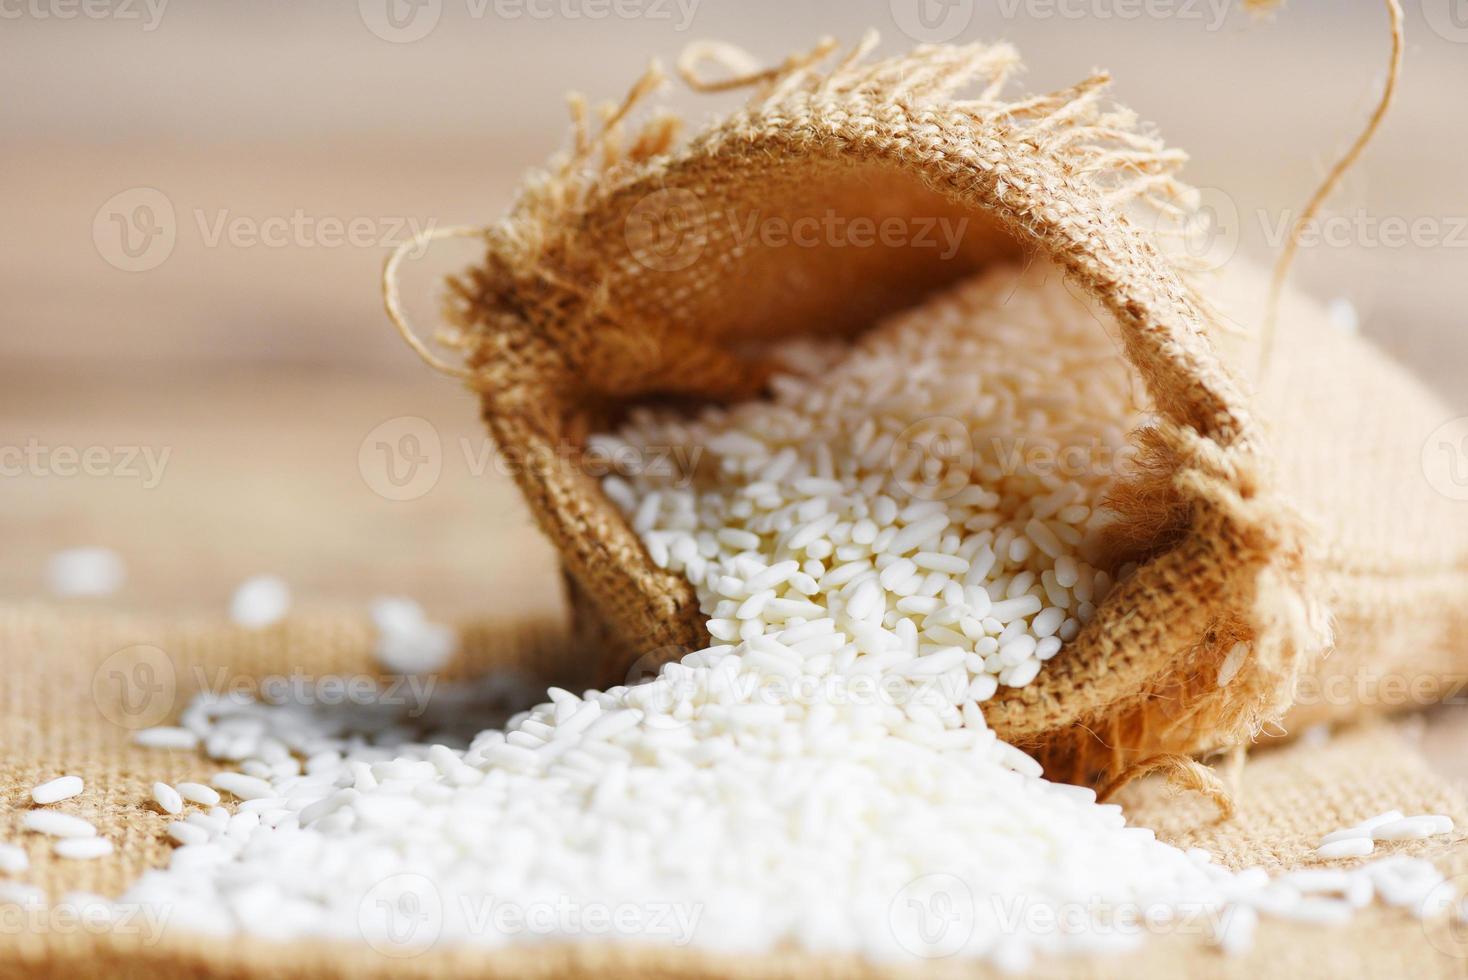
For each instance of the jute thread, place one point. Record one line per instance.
(1332, 179)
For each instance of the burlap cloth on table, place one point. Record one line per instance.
(619, 275)
(66, 710)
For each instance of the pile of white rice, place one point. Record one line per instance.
(822, 777)
(932, 493)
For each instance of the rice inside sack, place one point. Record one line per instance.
(937, 488)
(624, 275)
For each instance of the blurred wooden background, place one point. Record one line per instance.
(263, 367)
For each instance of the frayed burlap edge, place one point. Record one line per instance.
(1224, 562)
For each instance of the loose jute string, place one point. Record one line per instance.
(1332, 179)
(392, 297)
(1181, 772)
(745, 70)
(584, 145)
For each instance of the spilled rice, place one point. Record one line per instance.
(879, 549)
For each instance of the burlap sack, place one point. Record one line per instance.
(77, 683)
(617, 278)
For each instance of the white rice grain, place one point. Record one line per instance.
(54, 824)
(56, 790)
(89, 571)
(260, 601)
(242, 786)
(164, 737)
(13, 859)
(167, 798)
(82, 848)
(1346, 847)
